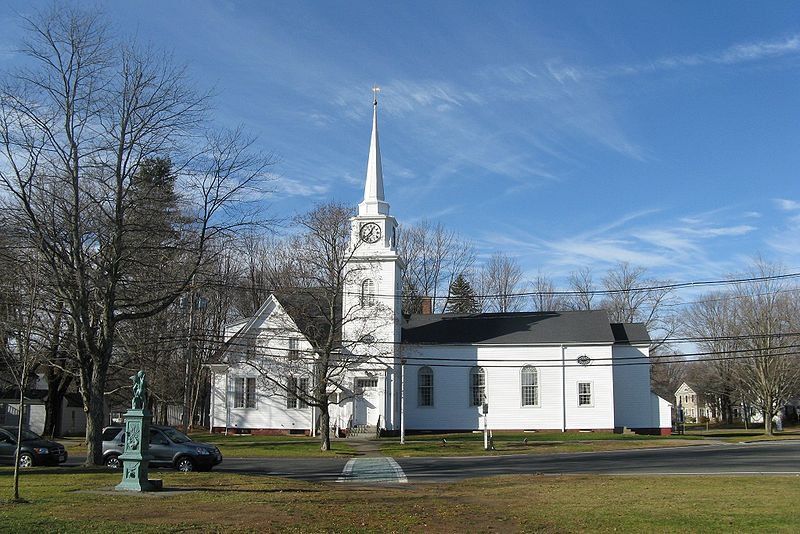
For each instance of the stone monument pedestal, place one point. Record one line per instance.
(135, 459)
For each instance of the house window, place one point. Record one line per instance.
(296, 391)
(477, 386)
(530, 386)
(367, 293)
(425, 386)
(250, 393)
(244, 392)
(304, 391)
(294, 348)
(363, 383)
(584, 393)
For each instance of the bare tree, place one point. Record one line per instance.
(768, 319)
(434, 257)
(583, 289)
(499, 282)
(713, 319)
(26, 339)
(544, 295)
(633, 297)
(76, 128)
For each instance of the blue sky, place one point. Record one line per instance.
(565, 135)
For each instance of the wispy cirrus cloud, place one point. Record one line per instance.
(400, 97)
(667, 246)
(734, 54)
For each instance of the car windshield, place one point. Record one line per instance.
(175, 435)
(27, 435)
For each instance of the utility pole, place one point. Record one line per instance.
(187, 382)
(563, 390)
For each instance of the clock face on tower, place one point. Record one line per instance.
(370, 232)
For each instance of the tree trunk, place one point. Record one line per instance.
(52, 412)
(325, 427)
(57, 386)
(93, 392)
(20, 421)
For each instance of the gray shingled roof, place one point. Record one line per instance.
(634, 333)
(512, 328)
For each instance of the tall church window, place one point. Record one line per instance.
(244, 392)
(296, 391)
(530, 386)
(368, 293)
(425, 386)
(477, 386)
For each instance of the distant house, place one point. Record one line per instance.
(73, 419)
(695, 409)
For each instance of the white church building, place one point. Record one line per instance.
(557, 371)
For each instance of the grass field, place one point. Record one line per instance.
(240, 503)
(471, 444)
(734, 435)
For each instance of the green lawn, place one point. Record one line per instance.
(240, 503)
(243, 446)
(537, 443)
(735, 435)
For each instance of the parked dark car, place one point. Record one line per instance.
(169, 447)
(35, 450)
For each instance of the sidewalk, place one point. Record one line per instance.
(367, 446)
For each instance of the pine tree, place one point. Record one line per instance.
(462, 297)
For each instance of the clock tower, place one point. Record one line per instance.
(372, 298)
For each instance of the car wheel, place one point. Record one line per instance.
(184, 464)
(113, 462)
(25, 460)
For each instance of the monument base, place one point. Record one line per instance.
(135, 459)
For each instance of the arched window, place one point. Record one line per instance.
(530, 386)
(425, 386)
(368, 293)
(477, 386)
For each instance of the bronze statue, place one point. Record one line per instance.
(139, 391)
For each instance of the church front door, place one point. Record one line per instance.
(366, 405)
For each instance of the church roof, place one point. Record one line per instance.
(517, 328)
(633, 333)
(309, 309)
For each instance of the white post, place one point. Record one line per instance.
(485, 430)
(402, 401)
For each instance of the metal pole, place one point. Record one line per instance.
(187, 395)
(485, 431)
(563, 390)
(402, 401)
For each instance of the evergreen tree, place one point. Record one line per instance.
(462, 297)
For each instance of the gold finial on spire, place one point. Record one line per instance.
(375, 91)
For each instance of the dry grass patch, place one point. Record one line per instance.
(226, 502)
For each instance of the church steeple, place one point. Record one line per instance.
(374, 202)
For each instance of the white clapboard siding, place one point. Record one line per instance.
(636, 406)
(452, 408)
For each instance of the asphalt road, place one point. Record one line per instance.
(776, 457)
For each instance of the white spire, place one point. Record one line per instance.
(374, 203)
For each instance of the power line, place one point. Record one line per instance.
(564, 293)
(282, 353)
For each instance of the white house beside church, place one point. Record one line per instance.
(562, 371)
